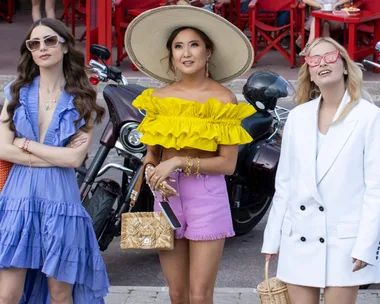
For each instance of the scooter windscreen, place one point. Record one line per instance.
(264, 89)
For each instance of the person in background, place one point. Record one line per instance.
(49, 9)
(327, 25)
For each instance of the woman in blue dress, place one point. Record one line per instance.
(48, 249)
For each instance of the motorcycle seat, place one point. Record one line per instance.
(258, 124)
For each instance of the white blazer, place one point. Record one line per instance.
(326, 208)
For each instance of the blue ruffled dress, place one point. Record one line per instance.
(43, 226)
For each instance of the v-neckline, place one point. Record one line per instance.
(37, 108)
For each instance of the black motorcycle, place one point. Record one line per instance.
(250, 188)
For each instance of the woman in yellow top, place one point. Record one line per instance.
(192, 129)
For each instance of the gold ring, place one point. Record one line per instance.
(162, 186)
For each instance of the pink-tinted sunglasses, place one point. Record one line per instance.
(49, 42)
(330, 57)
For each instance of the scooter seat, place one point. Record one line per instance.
(258, 124)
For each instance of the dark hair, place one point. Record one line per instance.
(207, 41)
(74, 70)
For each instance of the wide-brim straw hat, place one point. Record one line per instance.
(147, 34)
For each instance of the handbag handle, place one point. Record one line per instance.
(266, 273)
(136, 189)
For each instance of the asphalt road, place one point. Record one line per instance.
(242, 264)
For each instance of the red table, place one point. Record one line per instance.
(355, 52)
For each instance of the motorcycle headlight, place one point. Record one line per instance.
(130, 138)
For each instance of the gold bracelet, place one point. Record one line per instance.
(198, 168)
(189, 165)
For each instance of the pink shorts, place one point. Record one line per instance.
(202, 207)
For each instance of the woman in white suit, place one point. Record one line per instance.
(325, 218)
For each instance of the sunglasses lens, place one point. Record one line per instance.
(332, 57)
(313, 60)
(33, 45)
(51, 41)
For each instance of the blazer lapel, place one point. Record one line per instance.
(335, 140)
(310, 140)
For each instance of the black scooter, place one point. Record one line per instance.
(250, 188)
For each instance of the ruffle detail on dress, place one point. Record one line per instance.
(21, 118)
(65, 124)
(7, 91)
(56, 237)
(178, 123)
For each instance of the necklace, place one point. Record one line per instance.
(48, 103)
(51, 91)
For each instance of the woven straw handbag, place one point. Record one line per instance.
(5, 169)
(272, 290)
(145, 230)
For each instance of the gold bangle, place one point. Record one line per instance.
(198, 168)
(189, 165)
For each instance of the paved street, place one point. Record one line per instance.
(157, 295)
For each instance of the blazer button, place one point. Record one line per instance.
(303, 208)
(303, 239)
(321, 209)
(377, 252)
(322, 240)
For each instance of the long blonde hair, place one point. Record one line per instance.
(308, 90)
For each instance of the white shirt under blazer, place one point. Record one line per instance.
(326, 208)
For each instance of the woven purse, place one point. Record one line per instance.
(5, 169)
(145, 230)
(272, 290)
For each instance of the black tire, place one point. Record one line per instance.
(245, 219)
(99, 207)
(364, 286)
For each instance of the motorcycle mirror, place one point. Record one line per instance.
(378, 47)
(100, 52)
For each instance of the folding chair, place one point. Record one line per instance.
(272, 34)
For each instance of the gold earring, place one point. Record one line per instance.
(207, 74)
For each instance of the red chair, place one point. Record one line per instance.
(122, 20)
(7, 10)
(366, 31)
(78, 11)
(272, 34)
(232, 12)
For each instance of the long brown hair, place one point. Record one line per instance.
(207, 41)
(74, 70)
(308, 90)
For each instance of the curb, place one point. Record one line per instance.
(128, 289)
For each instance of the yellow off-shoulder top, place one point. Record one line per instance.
(178, 123)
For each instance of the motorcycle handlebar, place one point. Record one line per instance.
(376, 65)
(102, 71)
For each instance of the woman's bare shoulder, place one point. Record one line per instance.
(223, 94)
(163, 91)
